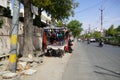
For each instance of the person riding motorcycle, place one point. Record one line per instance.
(101, 43)
(88, 41)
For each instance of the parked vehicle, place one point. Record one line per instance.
(68, 48)
(92, 40)
(79, 40)
(54, 41)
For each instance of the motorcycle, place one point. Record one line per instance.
(101, 44)
(88, 42)
(68, 48)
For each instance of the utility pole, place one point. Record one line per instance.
(14, 37)
(89, 28)
(101, 10)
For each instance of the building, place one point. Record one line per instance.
(7, 3)
(4, 4)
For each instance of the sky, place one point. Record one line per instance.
(89, 14)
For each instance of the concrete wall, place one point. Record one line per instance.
(5, 37)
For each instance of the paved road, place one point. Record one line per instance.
(89, 62)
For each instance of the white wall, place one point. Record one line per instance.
(3, 3)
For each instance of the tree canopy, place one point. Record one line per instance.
(97, 34)
(111, 31)
(58, 9)
(76, 27)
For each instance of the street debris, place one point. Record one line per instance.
(9, 75)
(25, 67)
(3, 72)
(24, 59)
(29, 72)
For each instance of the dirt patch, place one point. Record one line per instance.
(51, 69)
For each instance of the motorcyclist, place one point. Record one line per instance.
(88, 41)
(101, 43)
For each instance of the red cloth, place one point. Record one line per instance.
(45, 41)
(66, 48)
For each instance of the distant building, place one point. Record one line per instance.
(7, 3)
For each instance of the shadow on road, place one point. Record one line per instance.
(103, 73)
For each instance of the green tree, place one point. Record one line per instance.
(97, 34)
(112, 31)
(75, 27)
(58, 9)
(62, 9)
(118, 28)
(42, 6)
(118, 33)
(59, 23)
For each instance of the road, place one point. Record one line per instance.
(89, 62)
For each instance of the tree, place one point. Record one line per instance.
(28, 28)
(97, 34)
(75, 27)
(41, 4)
(58, 9)
(118, 28)
(61, 9)
(59, 23)
(111, 31)
(118, 33)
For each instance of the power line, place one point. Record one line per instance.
(91, 7)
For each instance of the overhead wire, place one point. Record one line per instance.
(111, 9)
(91, 7)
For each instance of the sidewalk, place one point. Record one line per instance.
(52, 68)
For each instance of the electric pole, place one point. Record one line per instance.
(14, 37)
(89, 28)
(101, 10)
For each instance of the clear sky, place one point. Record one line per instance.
(89, 14)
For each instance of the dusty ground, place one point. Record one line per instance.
(51, 69)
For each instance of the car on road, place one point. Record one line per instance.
(79, 39)
(92, 39)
